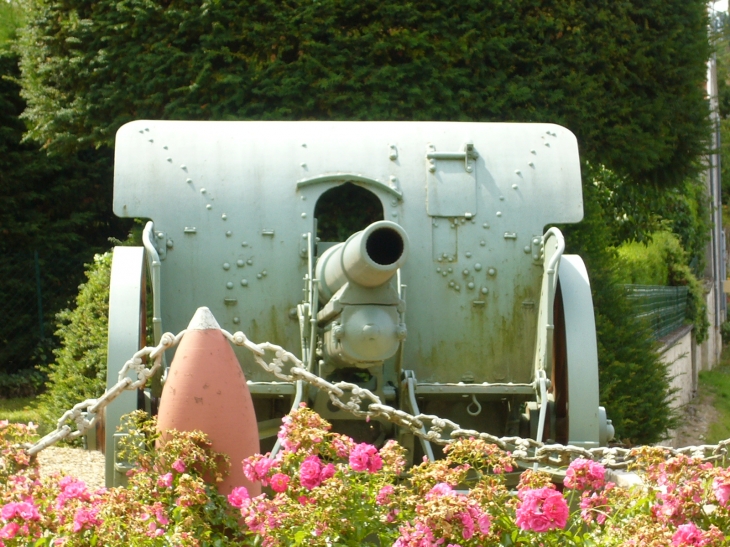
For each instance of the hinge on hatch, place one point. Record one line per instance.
(469, 154)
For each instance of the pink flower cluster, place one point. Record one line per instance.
(721, 487)
(585, 474)
(689, 535)
(71, 488)
(256, 468)
(313, 472)
(541, 510)
(365, 457)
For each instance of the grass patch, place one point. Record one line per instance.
(717, 382)
(20, 410)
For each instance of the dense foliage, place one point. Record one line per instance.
(79, 368)
(625, 76)
(634, 384)
(55, 212)
(326, 490)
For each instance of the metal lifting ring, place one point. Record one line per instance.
(474, 402)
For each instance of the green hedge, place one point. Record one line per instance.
(626, 77)
(79, 369)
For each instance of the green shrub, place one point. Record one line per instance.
(663, 261)
(634, 384)
(24, 383)
(79, 370)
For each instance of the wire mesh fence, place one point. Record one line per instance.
(663, 308)
(34, 286)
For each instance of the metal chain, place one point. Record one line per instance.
(85, 414)
(353, 399)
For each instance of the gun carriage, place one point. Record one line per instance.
(411, 258)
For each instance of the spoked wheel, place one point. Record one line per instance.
(574, 375)
(127, 332)
(559, 377)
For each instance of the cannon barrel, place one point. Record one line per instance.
(368, 258)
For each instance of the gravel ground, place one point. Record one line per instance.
(87, 465)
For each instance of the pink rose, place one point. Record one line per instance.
(384, 496)
(328, 471)
(585, 474)
(239, 496)
(721, 489)
(279, 482)
(9, 511)
(541, 509)
(365, 457)
(310, 472)
(9, 530)
(688, 534)
(27, 511)
(164, 481)
(441, 489)
(85, 518)
(256, 468)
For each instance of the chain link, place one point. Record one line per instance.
(85, 414)
(353, 398)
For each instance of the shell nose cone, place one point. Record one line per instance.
(203, 320)
(207, 391)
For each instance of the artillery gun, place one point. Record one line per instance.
(309, 234)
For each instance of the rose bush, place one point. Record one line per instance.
(323, 488)
(170, 498)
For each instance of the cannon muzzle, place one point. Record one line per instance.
(369, 258)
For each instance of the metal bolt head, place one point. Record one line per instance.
(470, 285)
(240, 263)
(468, 254)
(485, 290)
(229, 233)
(491, 271)
(477, 266)
(229, 285)
(226, 266)
(249, 261)
(244, 282)
(236, 320)
(209, 207)
(224, 216)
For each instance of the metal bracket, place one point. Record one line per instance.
(409, 378)
(469, 154)
(537, 249)
(159, 242)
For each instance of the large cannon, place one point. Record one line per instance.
(309, 234)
